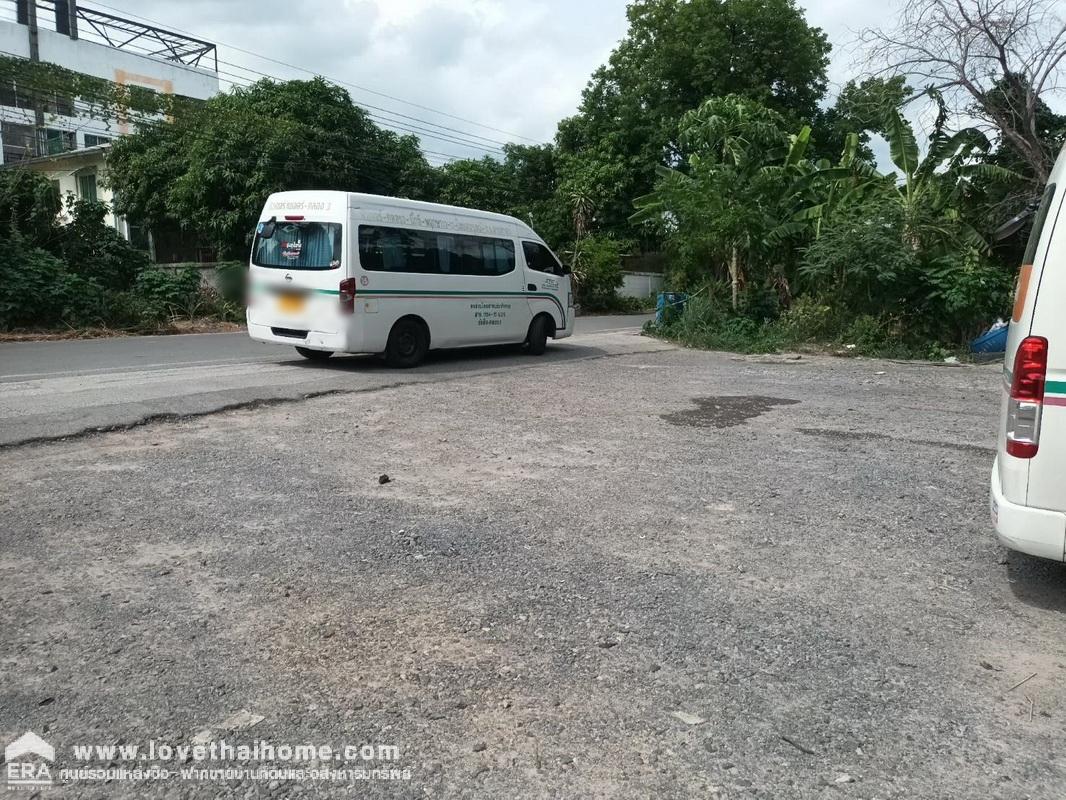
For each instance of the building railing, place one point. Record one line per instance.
(70, 18)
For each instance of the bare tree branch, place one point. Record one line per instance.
(1000, 56)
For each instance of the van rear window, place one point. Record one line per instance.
(299, 245)
(1038, 225)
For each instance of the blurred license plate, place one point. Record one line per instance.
(291, 303)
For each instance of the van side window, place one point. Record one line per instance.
(540, 258)
(1038, 225)
(384, 249)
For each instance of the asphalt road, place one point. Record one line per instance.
(619, 572)
(60, 388)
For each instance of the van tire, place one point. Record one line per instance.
(314, 355)
(408, 343)
(537, 339)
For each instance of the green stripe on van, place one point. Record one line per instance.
(1055, 387)
(428, 293)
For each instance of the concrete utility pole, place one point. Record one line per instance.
(26, 14)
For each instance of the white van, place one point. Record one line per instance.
(1029, 475)
(335, 272)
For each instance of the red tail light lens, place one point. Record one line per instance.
(347, 296)
(1026, 405)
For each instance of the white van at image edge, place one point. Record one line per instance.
(1028, 496)
(338, 272)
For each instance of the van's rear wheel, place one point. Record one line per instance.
(314, 355)
(408, 344)
(537, 340)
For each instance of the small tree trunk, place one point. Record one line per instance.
(734, 277)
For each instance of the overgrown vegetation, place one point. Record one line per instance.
(707, 135)
(83, 274)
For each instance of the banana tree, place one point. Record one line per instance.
(727, 202)
(931, 189)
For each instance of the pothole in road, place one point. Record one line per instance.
(725, 412)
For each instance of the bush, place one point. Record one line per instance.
(809, 320)
(709, 322)
(598, 272)
(37, 289)
(97, 251)
(232, 279)
(966, 294)
(85, 274)
(169, 293)
(860, 260)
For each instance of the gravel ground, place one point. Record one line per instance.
(672, 574)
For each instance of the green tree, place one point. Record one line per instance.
(900, 244)
(597, 271)
(677, 54)
(523, 184)
(726, 215)
(212, 168)
(858, 109)
(476, 183)
(29, 204)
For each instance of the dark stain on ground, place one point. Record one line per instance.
(725, 412)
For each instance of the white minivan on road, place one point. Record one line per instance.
(1029, 474)
(337, 272)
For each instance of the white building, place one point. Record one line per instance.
(57, 134)
(91, 42)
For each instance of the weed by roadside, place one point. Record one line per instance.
(808, 326)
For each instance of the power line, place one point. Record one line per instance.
(364, 167)
(448, 135)
(333, 80)
(399, 127)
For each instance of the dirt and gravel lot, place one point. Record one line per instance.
(652, 574)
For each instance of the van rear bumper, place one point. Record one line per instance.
(1035, 531)
(312, 340)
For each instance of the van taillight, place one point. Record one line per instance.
(347, 293)
(1026, 404)
(347, 296)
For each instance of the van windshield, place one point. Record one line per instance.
(299, 245)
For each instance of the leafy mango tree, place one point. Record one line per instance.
(211, 168)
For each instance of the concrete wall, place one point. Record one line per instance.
(123, 66)
(14, 39)
(641, 284)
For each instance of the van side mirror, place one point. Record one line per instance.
(1014, 224)
(567, 270)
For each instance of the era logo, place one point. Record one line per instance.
(23, 772)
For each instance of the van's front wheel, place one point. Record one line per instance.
(314, 355)
(408, 344)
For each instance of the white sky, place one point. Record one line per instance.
(516, 65)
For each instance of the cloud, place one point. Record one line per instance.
(515, 65)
